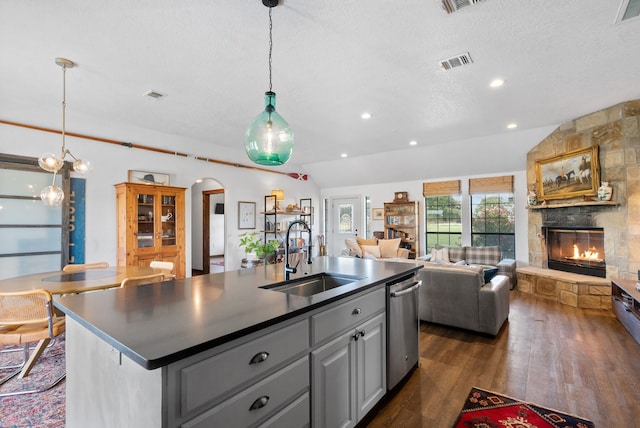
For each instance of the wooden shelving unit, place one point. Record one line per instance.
(402, 220)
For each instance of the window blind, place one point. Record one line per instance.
(441, 188)
(491, 184)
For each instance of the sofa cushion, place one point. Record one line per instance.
(456, 254)
(489, 273)
(373, 250)
(362, 241)
(440, 255)
(353, 247)
(389, 247)
(483, 255)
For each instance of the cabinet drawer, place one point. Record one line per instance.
(207, 380)
(295, 415)
(258, 401)
(346, 315)
(629, 320)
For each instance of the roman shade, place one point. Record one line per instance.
(491, 185)
(441, 188)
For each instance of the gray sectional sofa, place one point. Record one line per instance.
(458, 296)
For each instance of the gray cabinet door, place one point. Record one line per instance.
(334, 384)
(371, 364)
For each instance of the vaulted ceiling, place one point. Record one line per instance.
(332, 61)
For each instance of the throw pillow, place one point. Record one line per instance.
(389, 247)
(353, 247)
(440, 255)
(362, 241)
(369, 256)
(374, 250)
(489, 273)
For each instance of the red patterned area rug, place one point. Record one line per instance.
(42, 409)
(486, 409)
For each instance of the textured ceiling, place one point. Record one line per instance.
(332, 60)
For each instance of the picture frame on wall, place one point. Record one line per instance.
(377, 213)
(569, 175)
(246, 215)
(146, 177)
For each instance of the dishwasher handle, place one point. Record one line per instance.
(406, 290)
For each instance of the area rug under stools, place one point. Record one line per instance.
(486, 409)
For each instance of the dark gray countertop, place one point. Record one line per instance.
(157, 324)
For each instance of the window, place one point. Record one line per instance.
(493, 222)
(443, 220)
(345, 220)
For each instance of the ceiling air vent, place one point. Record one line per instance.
(451, 6)
(456, 61)
(154, 94)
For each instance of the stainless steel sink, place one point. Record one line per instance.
(313, 284)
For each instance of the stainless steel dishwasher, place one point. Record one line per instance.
(403, 327)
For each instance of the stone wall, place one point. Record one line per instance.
(616, 130)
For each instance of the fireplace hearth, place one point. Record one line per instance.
(576, 249)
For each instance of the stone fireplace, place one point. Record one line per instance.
(616, 131)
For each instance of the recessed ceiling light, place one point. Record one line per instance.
(496, 83)
(512, 126)
(365, 115)
(343, 155)
(413, 143)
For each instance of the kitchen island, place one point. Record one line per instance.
(193, 352)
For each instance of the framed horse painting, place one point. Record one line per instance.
(569, 175)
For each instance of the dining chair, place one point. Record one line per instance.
(25, 317)
(80, 267)
(167, 268)
(143, 279)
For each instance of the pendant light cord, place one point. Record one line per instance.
(64, 105)
(270, 46)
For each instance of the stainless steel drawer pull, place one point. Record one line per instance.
(356, 311)
(259, 357)
(259, 403)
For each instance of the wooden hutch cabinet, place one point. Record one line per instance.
(401, 220)
(150, 225)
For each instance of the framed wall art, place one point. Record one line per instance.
(569, 175)
(148, 177)
(246, 215)
(377, 214)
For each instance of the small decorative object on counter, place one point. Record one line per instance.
(605, 191)
(532, 198)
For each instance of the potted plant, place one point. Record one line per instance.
(255, 249)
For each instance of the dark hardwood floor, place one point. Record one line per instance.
(577, 361)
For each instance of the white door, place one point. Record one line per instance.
(345, 223)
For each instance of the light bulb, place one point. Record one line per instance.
(82, 166)
(50, 162)
(52, 195)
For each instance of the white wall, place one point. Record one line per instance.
(216, 226)
(381, 193)
(111, 165)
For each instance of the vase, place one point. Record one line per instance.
(532, 198)
(605, 191)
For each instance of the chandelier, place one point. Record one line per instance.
(53, 195)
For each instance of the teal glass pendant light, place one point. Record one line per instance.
(269, 138)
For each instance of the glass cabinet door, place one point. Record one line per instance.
(168, 219)
(145, 216)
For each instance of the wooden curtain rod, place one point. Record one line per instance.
(296, 175)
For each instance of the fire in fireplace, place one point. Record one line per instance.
(576, 249)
